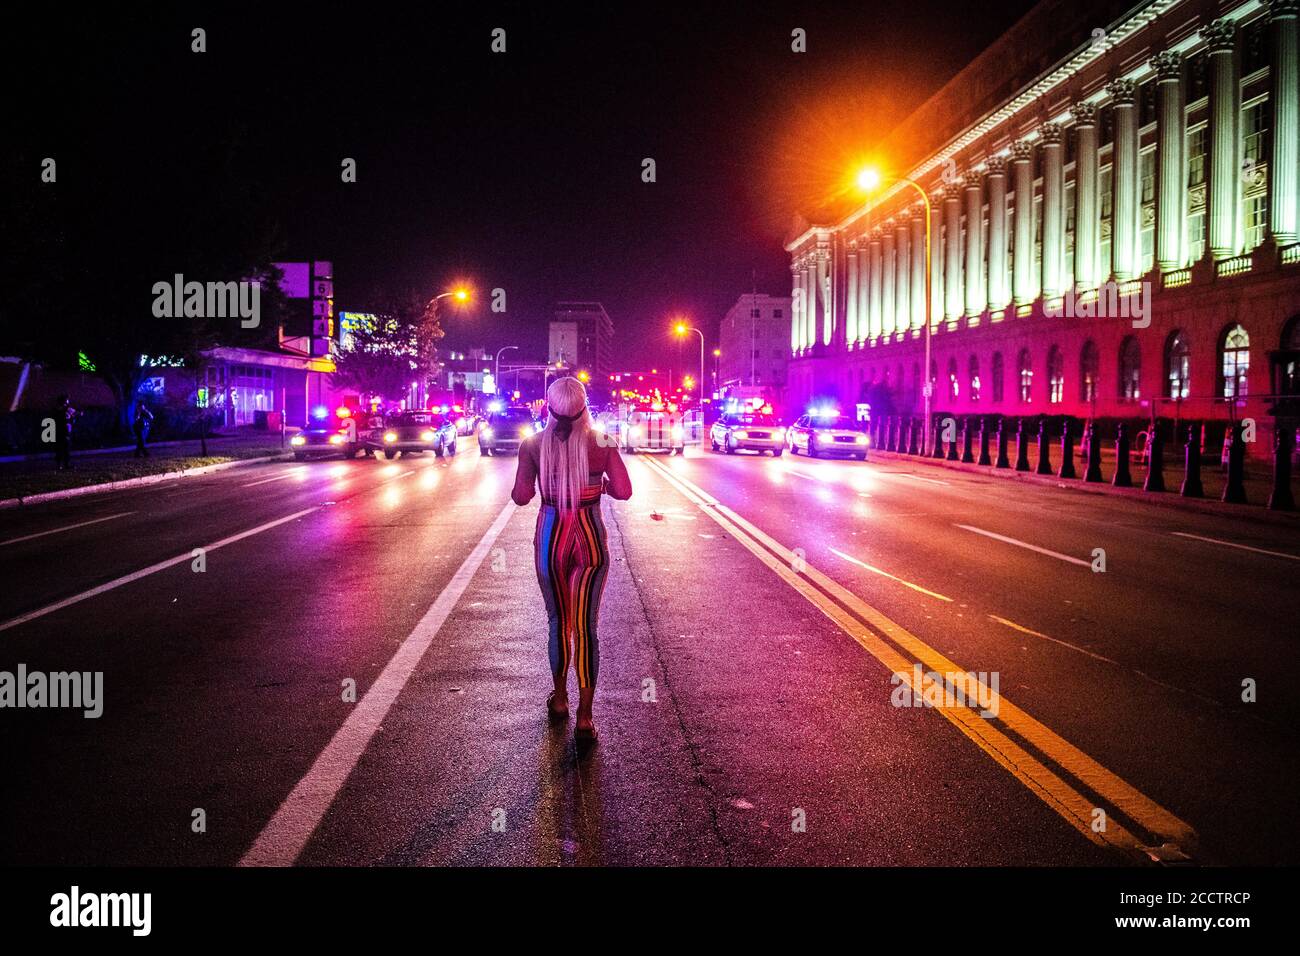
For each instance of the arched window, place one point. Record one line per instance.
(1178, 366)
(996, 374)
(1089, 363)
(973, 378)
(954, 386)
(1055, 376)
(1130, 370)
(1026, 368)
(1234, 362)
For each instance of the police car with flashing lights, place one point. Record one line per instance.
(747, 430)
(828, 434)
(414, 432)
(328, 433)
(653, 429)
(505, 430)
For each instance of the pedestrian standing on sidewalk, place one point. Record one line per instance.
(140, 425)
(572, 465)
(64, 415)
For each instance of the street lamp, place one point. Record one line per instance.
(496, 364)
(869, 180)
(681, 328)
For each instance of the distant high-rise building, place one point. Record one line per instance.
(582, 336)
(755, 341)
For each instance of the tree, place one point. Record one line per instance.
(398, 344)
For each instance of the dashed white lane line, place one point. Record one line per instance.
(1024, 630)
(152, 569)
(291, 473)
(283, 838)
(69, 527)
(904, 474)
(1025, 544)
(886, 574)
(1233, 544)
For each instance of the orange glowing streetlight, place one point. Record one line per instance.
(681, 328)
(583, 376)
(868, 181)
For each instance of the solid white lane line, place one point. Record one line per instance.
(284, 836)
(1025, 544)
(886, 574)
(152, 569)
(1024, 630)
(1232, 544)
(293, 473)
(70, 527)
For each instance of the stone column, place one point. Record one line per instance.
(1222, 195)
(864, 267)
(1171, 175)
(1052, 283)
(889, 269)
(903, 271)
(952, 253)
(1022, 172)
(997, 297)
(851, 297)
(1124, 248)
(809, 300)
(974, 243)
(917, 295)
(936, 257)
(825, 305)
(1086, 224)
(876, 290)
(796, 307)
(1284, 94)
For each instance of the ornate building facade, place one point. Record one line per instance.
(1114, 227)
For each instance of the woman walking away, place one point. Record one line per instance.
(572, 466)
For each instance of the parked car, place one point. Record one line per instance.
(505, 430)
(753, 431)
(828, 434)
(414, 433)
(328, 433)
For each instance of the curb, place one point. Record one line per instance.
(1208, 506)
(134, 482)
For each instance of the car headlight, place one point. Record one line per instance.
(485, 432)
(526, 431)
(390, 437)
(427, 436)
(861, 439)
(599, 426)
(780, 434)
(337, 439)
(678, 431)
(634, 432)
(741, 433)
(297, 440)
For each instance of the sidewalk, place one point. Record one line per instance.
(1258, 481)
(37, 476)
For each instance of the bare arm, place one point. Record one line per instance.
(526, 474)
(617, 483)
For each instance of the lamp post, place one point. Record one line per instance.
(682, 329)
(868, 181)
(496, 364)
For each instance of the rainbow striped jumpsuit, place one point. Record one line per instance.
(572, 561)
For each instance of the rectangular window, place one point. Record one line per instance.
(1196, 156)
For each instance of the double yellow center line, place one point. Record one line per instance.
(1075, 785)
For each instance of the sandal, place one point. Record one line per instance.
(555, 716)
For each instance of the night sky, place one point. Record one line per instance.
(519, 170)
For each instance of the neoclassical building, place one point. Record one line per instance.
(1114, 224)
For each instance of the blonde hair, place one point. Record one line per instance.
(563, 462)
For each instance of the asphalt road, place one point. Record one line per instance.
(754, 614)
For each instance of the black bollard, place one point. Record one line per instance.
(1022, 445)
(894, 425)
(1123, 478)
(984, 459)
(1044, 449)
(1067, 448)
(1281, 498)
(1003, 461)
(952, 444)
(1234, 489)
(967, 443)
(937, 451)
(1093, 471)
(913, 436)
(1155, 480)
(1192, 487)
